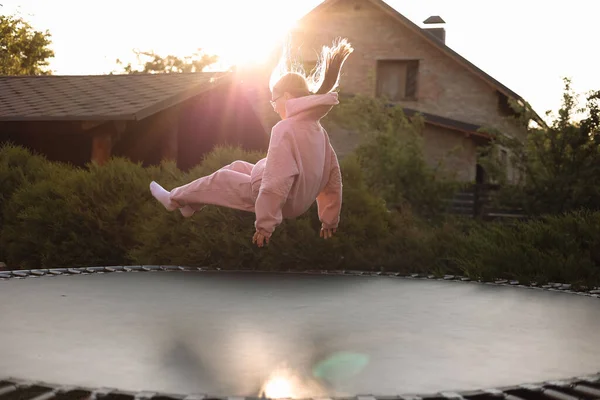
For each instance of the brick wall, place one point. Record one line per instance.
(444, 86)
(455, 150)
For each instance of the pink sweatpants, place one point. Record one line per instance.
(229, 187)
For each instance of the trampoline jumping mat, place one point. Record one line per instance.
(296, 335)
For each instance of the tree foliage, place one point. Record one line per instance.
(392, 157)
(556, 168)
(23, 50)
(152, 63)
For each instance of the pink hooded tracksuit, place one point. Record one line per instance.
(301, 166)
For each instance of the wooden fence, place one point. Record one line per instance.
(476, 201)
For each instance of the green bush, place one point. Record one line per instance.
(77, 217)
(106, 216)
(391, 154)
(556, 168)
(221, 237)
(19, 166)
(561, 248)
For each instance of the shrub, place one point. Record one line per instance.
(561, 248)
(557, 167)
(392, 157)
(221, 237)
(106, 216)
(77, 217)
(19, 166)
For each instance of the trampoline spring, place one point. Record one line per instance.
(486, 393)
(558, 395)
(452, 396)
(587, 390)
(47, 396)
(100, 393)
(145, 395)
(366, 398)
(73, 271)
(55, 272)
(513, 397)
(195, 397)
(7, 389)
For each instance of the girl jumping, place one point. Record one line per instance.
(301, 165)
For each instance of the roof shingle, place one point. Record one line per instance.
(97, 97)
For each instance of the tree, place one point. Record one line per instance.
(558, 165)
(392, 157)
(23, 50)
(154, 63)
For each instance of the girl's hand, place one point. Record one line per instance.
(327, 233)
(259, 239)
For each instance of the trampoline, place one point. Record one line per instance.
(161, 332)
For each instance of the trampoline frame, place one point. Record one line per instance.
(36, 273)
(583, 387)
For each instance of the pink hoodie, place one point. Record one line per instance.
(301, 166)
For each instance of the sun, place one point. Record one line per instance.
(243, 34)
(256, 47)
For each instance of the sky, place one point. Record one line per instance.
(527, 45)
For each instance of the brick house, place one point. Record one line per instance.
(144, 117)
(413, 67)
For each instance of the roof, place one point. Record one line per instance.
(449, 123)
(431, 38)
(437, 120)
(97, 97)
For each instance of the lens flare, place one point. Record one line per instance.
(287, 383)
(278, 388)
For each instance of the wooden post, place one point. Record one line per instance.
(169, 125)
(170, 142)
(101, 147)
(104, 136)
(476, 200)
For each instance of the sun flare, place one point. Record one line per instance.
(278, 388)
(242, 34)
(285, 383)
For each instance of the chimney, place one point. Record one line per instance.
(438, 32)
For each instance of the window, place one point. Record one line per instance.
(397, 79)
(504, 107)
